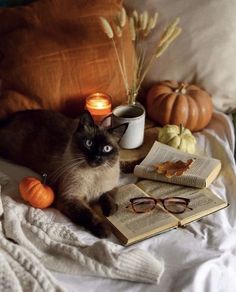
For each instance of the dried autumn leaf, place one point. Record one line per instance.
(170, 168)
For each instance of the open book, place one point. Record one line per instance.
(130, 227)
(201, 173)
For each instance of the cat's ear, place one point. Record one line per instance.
(118, 131)
(86, 120)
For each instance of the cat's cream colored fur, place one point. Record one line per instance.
(89, 185)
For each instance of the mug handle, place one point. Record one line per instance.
(104, 119)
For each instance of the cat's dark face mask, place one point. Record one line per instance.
(98, 145)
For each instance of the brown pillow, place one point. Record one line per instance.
(53, 53)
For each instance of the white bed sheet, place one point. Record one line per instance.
(200, 257)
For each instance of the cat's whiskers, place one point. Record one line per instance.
(108, 164)
(60, 172)
(66, 167)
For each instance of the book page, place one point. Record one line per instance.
(202, 201)
(135, 226)
(200, 174)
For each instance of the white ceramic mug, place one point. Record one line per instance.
(135, 116)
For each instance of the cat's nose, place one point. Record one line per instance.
(98, 158)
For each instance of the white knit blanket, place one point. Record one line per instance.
(32, 244)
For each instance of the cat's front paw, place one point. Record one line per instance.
(108, 205)
(101, 230)
(110, 210)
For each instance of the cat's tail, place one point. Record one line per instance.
(5, 121)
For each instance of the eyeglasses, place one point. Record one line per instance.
(175, 205)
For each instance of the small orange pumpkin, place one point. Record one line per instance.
(170, 102)
(35, 192)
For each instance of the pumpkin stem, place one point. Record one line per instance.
(44, 178)
(182, 88)
(181, 129)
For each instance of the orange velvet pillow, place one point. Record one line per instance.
(53, 53)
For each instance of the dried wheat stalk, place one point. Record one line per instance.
(141, 25)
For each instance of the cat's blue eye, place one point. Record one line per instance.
(107, 148)
(88, 143)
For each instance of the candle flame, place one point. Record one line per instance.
(98, 101)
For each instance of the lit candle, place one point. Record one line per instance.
(99, 106)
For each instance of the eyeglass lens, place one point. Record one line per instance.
(143, 205)
(175, 205)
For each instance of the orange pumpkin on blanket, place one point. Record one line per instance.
(36, 193)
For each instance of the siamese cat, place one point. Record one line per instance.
(81, 160)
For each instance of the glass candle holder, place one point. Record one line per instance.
(99, 106)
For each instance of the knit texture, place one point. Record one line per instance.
(21, 271)
(4, 180)
(59, 248)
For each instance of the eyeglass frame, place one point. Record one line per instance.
(162, 200)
